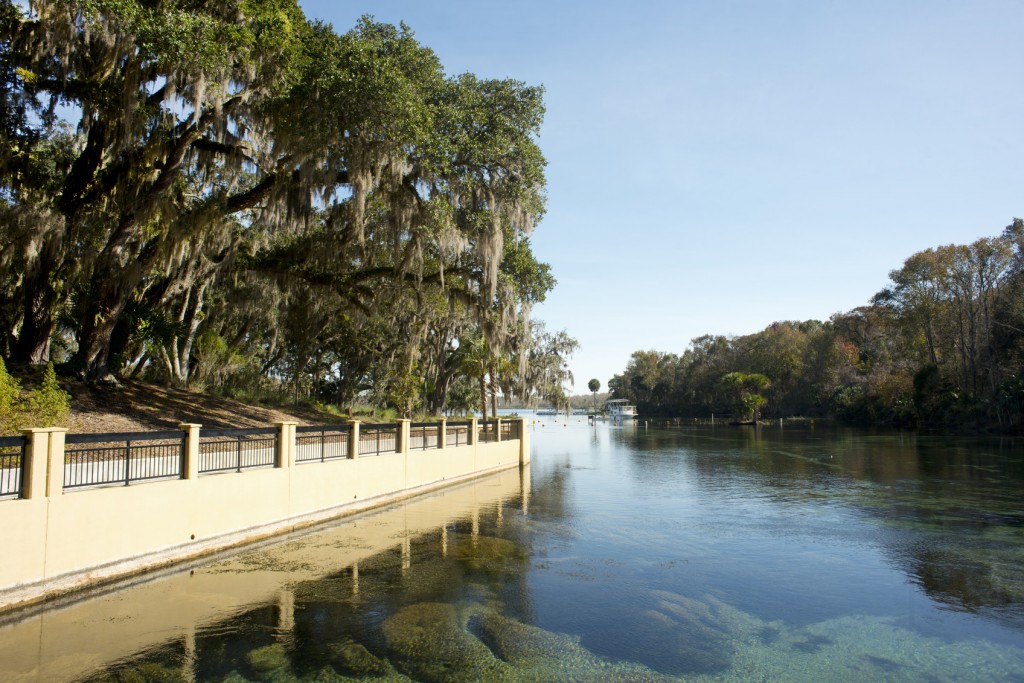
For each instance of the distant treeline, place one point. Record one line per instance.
(941, 345)
(232, 196)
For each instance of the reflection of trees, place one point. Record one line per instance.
(962, 524)
(550, 498)
(952, 504)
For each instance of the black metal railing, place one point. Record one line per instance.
(122, 458)
(320, 443)
(12, 466)
(457, 434)
(424, 435)
(225, 450)
(378, 439)
(510, 430)
(487, 431)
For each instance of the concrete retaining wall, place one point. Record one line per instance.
(56, 541)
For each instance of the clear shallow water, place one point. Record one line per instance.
(622, 554)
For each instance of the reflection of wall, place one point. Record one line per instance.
(62, 541)
(70, 642)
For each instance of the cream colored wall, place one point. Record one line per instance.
(70, 642)
(62, 541)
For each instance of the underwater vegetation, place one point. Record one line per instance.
(796, 557)
(446, 643)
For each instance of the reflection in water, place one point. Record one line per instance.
(626, 554)
(951, 507)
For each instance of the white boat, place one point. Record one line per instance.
(620, 411)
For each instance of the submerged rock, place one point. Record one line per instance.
(350, 657)
(146, 672)
(435, 642)
(540, 655)
(270, 663)
(235, 677)
(685, 635)
(522, 644)
(428, 643)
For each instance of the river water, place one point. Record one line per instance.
(620, 554)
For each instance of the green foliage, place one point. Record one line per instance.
(49, 405)
(45, 406)
(405, 393)
(462, 396)
(746, 393)
(254, 203)
(10, 401)
(943, 344)
(934, 394)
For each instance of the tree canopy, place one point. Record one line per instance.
(233, 195)
(942, 344)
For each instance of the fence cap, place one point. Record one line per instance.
(189, 425)
(283, 423)
(43, 430)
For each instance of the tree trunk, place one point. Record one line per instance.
(180, 351)
(494, 395)
(483, 397)
(100, 319)
(33, 345)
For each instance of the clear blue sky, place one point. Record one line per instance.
(716, 166)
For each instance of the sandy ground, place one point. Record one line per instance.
(136, 406)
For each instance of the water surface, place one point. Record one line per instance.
(621, 554)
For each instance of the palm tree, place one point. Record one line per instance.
(746, 391)
(475, 362)
(594, 385)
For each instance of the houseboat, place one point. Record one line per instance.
(619, 411)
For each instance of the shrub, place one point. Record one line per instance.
(49, 405)
(10, 401)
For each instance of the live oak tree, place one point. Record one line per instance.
(162, 96)
(212, 191)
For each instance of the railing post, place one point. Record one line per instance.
(442, 434)
(471, 438)
(128, 462)
(190, 468)
(55, 461)
(285, 444)
(35, 468)
(524, 443)
(497, 436)
(353, 440)
(403, 436)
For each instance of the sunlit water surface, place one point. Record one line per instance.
(621, 554)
